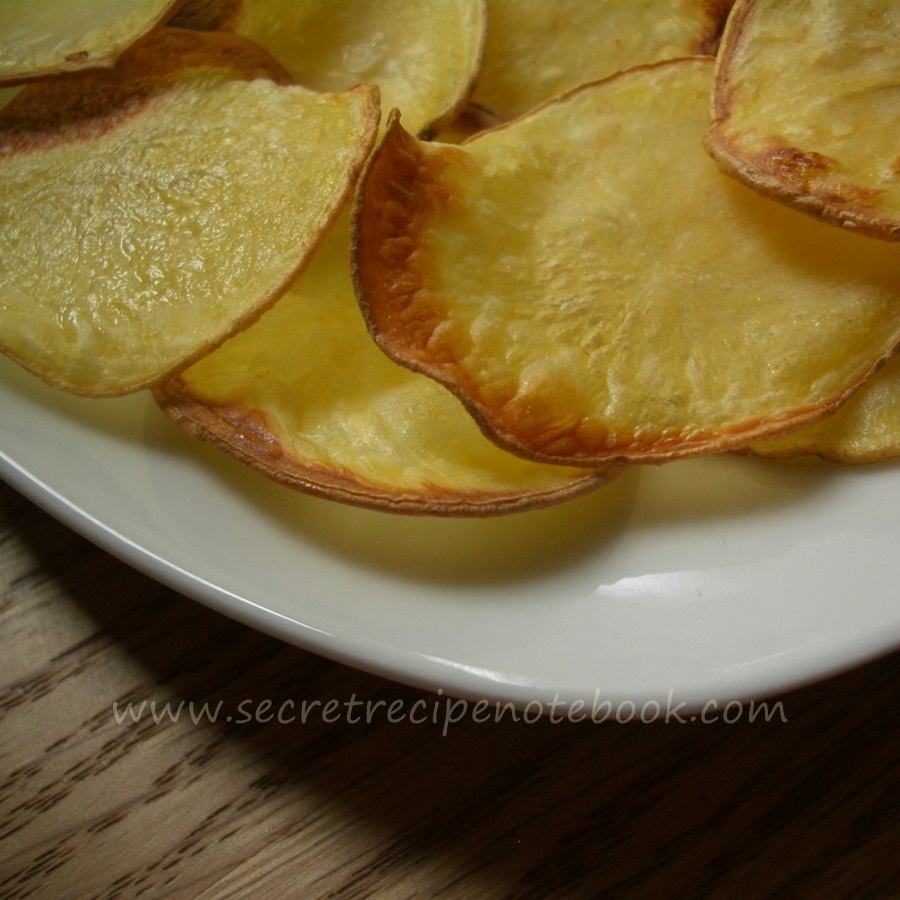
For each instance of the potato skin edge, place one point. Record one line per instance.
(819, 204)
(76, 63)
(244, 436)
(646, 452)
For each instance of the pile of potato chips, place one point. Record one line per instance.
(461, 257)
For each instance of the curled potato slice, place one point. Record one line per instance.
(150, 212)
(424, 57)
(593, 288)
(305, 397)
(49, 37)
(865, 429)
(806, 108)
(536, 49)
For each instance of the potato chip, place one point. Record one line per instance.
(305, 397)
(865, 429)
(593, 288)
(536, 49)
(423, 56)
(49, 37)
(150, 212)
(807, 108)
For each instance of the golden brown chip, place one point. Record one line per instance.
(49, 37)
(536, 49)
(865, 429)
(150, 212)
(806, 108)
(593, 288)
(423, 56)
(305, 397)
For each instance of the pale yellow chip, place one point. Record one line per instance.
(50, 37)
(807, 108)
(536, 49)
(305, 397)
(593, 288)
(150, 212)
(423, 56)
(865, 429)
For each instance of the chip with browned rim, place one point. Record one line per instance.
(306, 398)
(594, 289)
(806, 108)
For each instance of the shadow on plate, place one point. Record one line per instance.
(521, 546)
(436, 549)
(120, 417)
(516, 547)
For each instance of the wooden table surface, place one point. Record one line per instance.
(802, 805)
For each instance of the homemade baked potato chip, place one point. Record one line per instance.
(149, 212)
(865, 429)
(424, 56)
(806, 108)
(305, 397)
(49, 37)
(536, 49)
(594, 289)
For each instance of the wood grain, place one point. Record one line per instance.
(90, 808)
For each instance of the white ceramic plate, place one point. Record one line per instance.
(712, 580)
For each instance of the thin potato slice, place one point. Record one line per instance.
(593, 288)
(305, 397)
(865, 429)
(424, 57)
(806, 108)
(536, 49)
(50, 37)
(149, 213)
